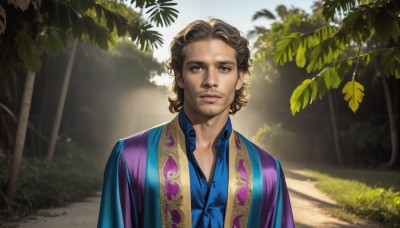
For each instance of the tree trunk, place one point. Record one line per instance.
(60, 108)
(335, 132)
(392, 124)
(21, 133)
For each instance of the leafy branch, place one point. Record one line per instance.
(321, 49)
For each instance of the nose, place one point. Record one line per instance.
(210, 79)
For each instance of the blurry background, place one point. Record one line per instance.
(120, 91)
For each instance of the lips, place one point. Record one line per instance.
(210, 97)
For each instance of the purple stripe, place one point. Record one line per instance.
(269, 177)
(135, 152)
(287, 215)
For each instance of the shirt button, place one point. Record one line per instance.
(192, 133)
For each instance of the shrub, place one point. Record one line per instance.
(366, 143)
(72, 175)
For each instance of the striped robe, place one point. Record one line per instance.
(146, 183)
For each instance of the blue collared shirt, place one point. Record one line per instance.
(208, 202)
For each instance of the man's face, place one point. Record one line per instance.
(209, 78)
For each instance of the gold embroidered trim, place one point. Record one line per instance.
(174, 177)
(240, 183)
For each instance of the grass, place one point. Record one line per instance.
(374, 195)
(373, 178)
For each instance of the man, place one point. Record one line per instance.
(195, 171)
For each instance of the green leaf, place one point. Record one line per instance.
(366, 58)
(317, 58)
(301, 54)
(286, 49)
(324, 53)
(334, 74)
(145, 38)
(331, 7)
(113, 20)
(161, 12)
(27, 51)
(353, 94)
(139, 3)
(55, 42)
(311, 89)
(391, 63)
(300, 96)
(387, 26)
(264, 13)
(324, 33)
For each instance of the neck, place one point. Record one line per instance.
(208, 129)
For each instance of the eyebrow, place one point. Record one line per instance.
(223, 62)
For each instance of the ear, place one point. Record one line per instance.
(240, 80)
(179, 80)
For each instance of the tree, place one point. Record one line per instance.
(289, 20)
(129, 14)
(60, 108)
(326, 50)
(34, 26)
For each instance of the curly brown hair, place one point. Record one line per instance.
(205, 30)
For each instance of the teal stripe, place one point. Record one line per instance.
(152, 211)
(256, 199)
(278, 206)
(110, 209)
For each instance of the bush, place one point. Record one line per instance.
(366, 143)
(73, 175)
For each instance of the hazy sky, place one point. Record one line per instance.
(235, 12)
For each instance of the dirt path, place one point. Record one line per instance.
(309, 209)
(310, 204)
(78, 215)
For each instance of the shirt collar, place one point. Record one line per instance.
(190, 133)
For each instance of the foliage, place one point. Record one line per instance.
(45, 25)
(312, 127)
(293, 20)
(326, 49)
(74, 174)
(374, 203)
(277, 141)
(30, 28)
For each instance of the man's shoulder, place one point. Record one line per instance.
(252, 147)
(262, 160)
(141, 138)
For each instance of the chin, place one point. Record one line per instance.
(208, 111)
(212, 112)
